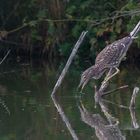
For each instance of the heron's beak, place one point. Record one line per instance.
(82, 85)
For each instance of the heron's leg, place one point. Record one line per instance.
(112, 75)
(108, 74)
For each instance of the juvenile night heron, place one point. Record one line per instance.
(109, 59)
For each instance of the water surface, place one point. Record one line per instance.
(27, 111)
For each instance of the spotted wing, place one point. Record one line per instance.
(113, 53)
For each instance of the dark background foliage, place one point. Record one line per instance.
(51, 27)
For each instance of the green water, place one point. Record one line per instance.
(27, 111)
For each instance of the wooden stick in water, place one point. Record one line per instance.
(59, 81)
(65, 118)
(73, 53)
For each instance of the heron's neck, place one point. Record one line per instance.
(135, 30)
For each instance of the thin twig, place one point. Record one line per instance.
(108, 92)
(94, 22)
(120, 106)
(5, 57)
(132, 102)
(18, 28)
(73, 53)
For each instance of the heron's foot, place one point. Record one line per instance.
(108, 77)
(113, 124)
(112, 120)
(104, 83)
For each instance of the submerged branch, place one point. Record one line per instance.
(98, 22)
(118, 105)
(132, 102)
(64, 118)
(122, 87)
(59, 81)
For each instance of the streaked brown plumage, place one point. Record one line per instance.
(110, 57)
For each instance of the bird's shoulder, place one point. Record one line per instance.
(109, 51)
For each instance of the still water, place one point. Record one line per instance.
(27, 111)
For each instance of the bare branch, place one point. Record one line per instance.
(73, 53)
(5, 57)
(59, 81)
(118, 105)
(95, 22)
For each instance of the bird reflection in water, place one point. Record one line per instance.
(108, 129)
(104, 129)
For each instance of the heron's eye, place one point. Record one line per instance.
(84, 76)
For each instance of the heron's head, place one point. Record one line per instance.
(85, 77)
(93, 72)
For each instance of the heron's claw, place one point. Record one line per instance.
(113, 120)
(104, 82)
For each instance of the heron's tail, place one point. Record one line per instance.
(135, 30)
